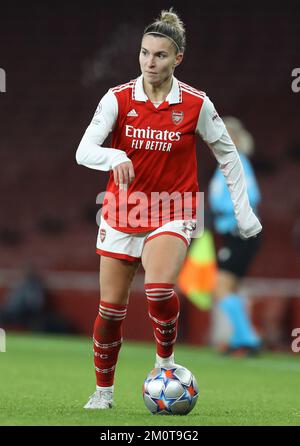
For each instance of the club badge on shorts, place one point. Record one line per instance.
(177, 117)
(188, 226)
(102, 235)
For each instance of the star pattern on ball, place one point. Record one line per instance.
(162, 402)
(166, 375)
(191, 391)
(189, 394)
(170, 391)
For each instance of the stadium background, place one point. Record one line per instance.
(59, 60)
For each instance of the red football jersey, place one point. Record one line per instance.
(161, 143)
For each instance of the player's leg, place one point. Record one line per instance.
(162, 259)
(231, 303)
(115, 279)
(226, 282)
(232, 267)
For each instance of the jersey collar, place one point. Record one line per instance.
(138, 93)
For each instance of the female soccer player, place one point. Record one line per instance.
(154, 120)
(236, 254)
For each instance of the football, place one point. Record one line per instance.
(170, 391)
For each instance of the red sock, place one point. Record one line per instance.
(107, 341)
(163, 306)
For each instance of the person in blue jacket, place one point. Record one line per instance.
(236, 254)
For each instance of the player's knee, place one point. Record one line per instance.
(115, 296)
(157, 275)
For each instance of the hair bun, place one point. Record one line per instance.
(169, 25)
(171, 18)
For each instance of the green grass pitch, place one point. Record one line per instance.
(46, 380)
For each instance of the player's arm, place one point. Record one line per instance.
(92, 154)
(212, 129)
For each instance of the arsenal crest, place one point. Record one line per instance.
(102, 235)
(177, 117)
(188, 226)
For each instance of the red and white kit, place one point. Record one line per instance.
(129, 246)
(161, 144)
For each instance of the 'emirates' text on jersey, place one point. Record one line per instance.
(160, 142)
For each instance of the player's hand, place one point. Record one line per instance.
(123, 175)
(251, 228)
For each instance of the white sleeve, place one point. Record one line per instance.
(209, 126)
(227, 156)
(90, 152)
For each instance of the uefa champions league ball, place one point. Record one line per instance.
(170, 391)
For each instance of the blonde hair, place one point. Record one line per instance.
(169, 25)
(244, 140)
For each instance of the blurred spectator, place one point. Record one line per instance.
(26, 306)
(25, 301)
(236, 254)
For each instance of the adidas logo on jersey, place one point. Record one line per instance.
(132, 113)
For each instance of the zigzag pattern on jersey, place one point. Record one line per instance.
(191, 90)
(122, 87)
